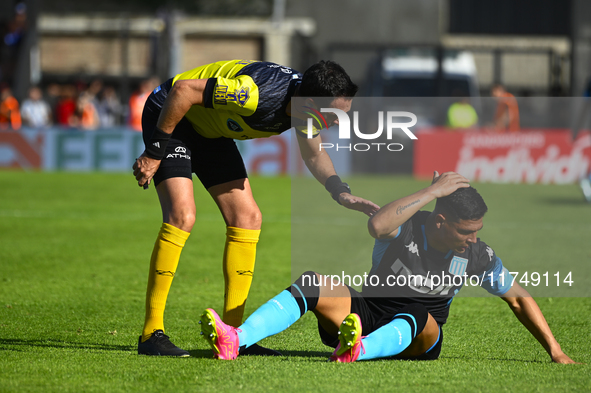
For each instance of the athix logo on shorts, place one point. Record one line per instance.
(344, 124)
(179, 152)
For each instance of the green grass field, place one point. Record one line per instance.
(74, 253)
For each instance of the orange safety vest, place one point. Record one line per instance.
(136, 107)
(89, 116)
(508, 104)
(10, 116)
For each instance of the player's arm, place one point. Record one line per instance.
(529, 314)
(387, 221)
(183, 95)
(319, 163)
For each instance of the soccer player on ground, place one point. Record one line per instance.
(402, 321)
(189, 123)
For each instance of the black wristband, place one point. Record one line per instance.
(156, 147)
(336, 186)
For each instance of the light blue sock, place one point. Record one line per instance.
(271, 318)
(389, 340)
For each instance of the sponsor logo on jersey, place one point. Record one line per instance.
(234, 126)
(219, 95)
(180, 149)
(458, 266)
(490, 253)
(285, 70)
(429, 285)
(413, 248)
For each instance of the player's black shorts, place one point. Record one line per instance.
(214, 161)
(372, 318)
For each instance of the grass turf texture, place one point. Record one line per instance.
(74, 252)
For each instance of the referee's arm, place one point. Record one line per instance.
(183, 95)
(319, 163)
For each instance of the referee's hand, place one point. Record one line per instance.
(144, 169)
(356, 203)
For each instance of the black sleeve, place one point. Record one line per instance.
(208, 92)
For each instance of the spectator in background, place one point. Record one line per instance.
(461, 114)
(87, 112)
(507, 113)
(109, 107)
(35, 112)
(137, 101)
(10, 117)
(65, 109)
(585, 111)
(52, 97)
(94, 89)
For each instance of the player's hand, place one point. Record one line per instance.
(356, 203)
(446, 183)
(562, 358)
(144, 169)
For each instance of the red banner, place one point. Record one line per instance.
(20, 149)
(530, 156)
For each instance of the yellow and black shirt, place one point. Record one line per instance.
(242, 99)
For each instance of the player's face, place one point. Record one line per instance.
(341, 103)
(460, 234)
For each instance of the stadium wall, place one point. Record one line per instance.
(115, 150)
(548, 156)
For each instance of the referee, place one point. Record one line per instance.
(189, 125)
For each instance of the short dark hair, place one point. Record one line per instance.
(462, 204)
(327, 79)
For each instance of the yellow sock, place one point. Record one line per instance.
(239, 258)
(163, 264)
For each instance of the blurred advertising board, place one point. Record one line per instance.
(528, 156)
(115, 150)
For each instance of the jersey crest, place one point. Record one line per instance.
(458, 266)
(221, 96)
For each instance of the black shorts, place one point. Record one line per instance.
(214, 161)
(372, 318)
